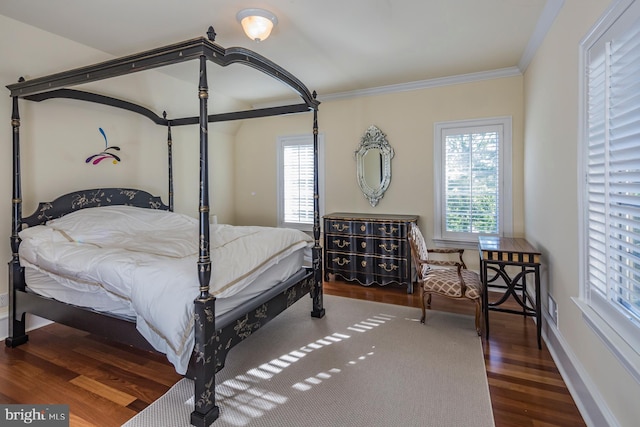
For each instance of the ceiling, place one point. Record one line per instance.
(335, 47)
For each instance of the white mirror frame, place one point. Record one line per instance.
(374, 138)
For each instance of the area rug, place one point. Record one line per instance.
(363, 364)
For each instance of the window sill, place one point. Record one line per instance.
(622, 351)
(448, 243)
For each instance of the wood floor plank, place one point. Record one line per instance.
(7, 399)
(116, 396)
(141, 387)
(76, 421)
(515, 384)
(532, 389)
(535, 412)
(525, 374)
(119, 359)
(523, 361)
(55, 353)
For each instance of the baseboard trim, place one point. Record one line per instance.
(592, 407)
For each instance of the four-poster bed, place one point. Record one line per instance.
(214, 334)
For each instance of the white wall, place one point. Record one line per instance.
(551, 212)
(58, 135)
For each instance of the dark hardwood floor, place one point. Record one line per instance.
(106, 383)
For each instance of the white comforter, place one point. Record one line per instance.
(148, 257)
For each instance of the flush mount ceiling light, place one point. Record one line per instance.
(257, 23)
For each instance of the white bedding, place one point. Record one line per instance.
(148, 258)
(97, 298)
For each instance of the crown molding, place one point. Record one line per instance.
(410, 86)
(426, 84)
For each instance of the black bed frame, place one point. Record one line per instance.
(212, 342)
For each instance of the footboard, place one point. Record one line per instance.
(237, 331)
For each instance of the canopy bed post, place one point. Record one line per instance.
(17, 334)
(205, 410)
(316, 290)
(170, 159)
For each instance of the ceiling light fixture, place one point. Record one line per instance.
(257, 23)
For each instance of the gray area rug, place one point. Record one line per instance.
(364, 364)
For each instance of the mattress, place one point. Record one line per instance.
(142, 264)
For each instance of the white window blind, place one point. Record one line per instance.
(296, 180)
(473, 179)
(611, 168)
(298, 183)
(472, 173)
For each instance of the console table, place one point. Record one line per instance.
(368, 248)
(498, 253)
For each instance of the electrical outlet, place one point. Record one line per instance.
(4, 300)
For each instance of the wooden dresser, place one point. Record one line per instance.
(368, 248)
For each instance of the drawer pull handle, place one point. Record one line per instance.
(364, 245)
(341, 243)
(393, 247)
(392, 267)
(341, 227)
(341, 261)
(391, 231)
(363, 228)
(363, 263)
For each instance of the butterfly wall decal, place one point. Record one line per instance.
(106, 154)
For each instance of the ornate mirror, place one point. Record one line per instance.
(373, 158)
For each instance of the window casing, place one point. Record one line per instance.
(296, 181)
(472, 180)
(610, 179)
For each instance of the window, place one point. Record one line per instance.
(610, 177)
(295, 180)
(472, 180)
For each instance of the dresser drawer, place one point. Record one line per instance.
(366, 228)
(366, 245)
(341, 243)
(391, 247)
(395, 230)
(362, 265)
